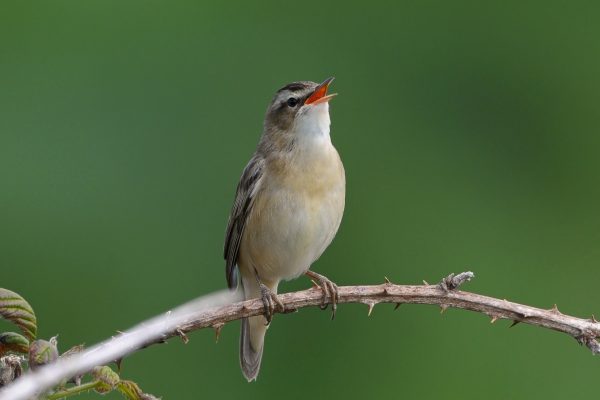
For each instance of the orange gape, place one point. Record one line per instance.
(319, 95)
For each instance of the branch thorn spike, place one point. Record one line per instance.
(554, 309)
(387, 281)
(397, 305)
(315, 285)
(217, 328)
(515, 322)
(494, 319)
(425, 282)
(182, 335)
(443, 307)
(593, 319)
(371, 305)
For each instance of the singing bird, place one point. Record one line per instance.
(287, 209)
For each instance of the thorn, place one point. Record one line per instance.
(387, 281)
(494, 319)
(514, 323)
(425, 282)
(593, 319)
(217, 328)
(315, 285)
(443, 308)
(397, 305)
(118, 362)
(371, 305)
(182, 335)
(554, 309)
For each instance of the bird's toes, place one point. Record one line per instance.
(270, 302)
(330, 291)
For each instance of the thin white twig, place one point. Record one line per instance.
(151, 331)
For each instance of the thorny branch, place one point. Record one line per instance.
(444, 294)
(213, 311)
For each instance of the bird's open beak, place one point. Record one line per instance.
(320, 94)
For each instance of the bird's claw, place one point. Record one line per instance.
(330, 291)
(270, 301)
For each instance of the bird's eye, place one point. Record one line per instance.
(292, 102)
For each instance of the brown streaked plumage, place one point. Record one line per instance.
(288, 207)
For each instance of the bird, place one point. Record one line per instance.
(288, 207)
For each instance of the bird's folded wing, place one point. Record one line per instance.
(244, 198)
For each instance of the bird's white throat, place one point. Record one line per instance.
(312, 124)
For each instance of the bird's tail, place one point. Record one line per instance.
(250, 356)
(252, 336)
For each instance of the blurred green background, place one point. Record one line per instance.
(469, 132)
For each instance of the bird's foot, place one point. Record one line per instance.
(330, 290)
(270, 300)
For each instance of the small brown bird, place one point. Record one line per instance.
(287, 210)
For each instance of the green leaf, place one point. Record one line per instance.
(108, 379)
(132, 391)
(11, 341)
(18, 311)
(42, 352)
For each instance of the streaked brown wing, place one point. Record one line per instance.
(244, 198)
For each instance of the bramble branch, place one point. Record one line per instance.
(216, 310)
(444, 294)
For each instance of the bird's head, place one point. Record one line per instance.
(299, 110)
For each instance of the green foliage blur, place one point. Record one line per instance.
(469, 132)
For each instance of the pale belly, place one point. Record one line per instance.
(289, 229)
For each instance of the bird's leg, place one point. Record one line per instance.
(269, 300)
(329, 289)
